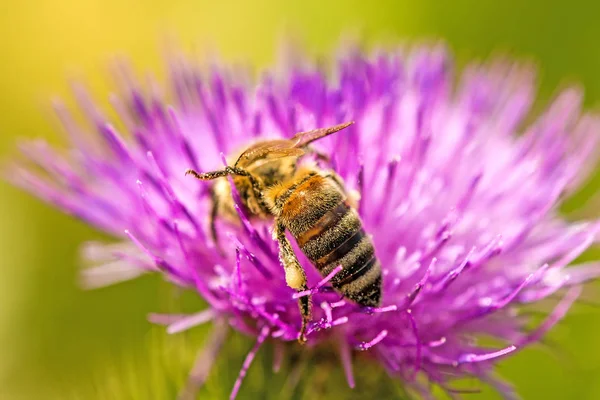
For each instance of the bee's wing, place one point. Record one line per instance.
(269, 150)
(302, 139)
(280, 148)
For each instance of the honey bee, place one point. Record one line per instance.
(313, 205)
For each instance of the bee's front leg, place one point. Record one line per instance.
(295, 276)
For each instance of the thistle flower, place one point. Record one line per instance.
(460, 198)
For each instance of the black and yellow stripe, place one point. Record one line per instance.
(329, 232)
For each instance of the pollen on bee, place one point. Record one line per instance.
(294, 278)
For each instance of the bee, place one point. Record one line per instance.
(310, 203)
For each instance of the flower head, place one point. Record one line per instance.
(459, 195)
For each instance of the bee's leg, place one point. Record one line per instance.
(295, 277)
(305, 305)
(257, 185)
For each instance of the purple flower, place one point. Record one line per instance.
(460, 198)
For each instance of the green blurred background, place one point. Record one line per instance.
(58, 342)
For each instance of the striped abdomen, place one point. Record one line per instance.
(330, 233)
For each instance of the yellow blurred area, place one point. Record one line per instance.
(42, 41)
(44, 316)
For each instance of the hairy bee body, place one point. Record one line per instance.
(309, 202)
(314, 208)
